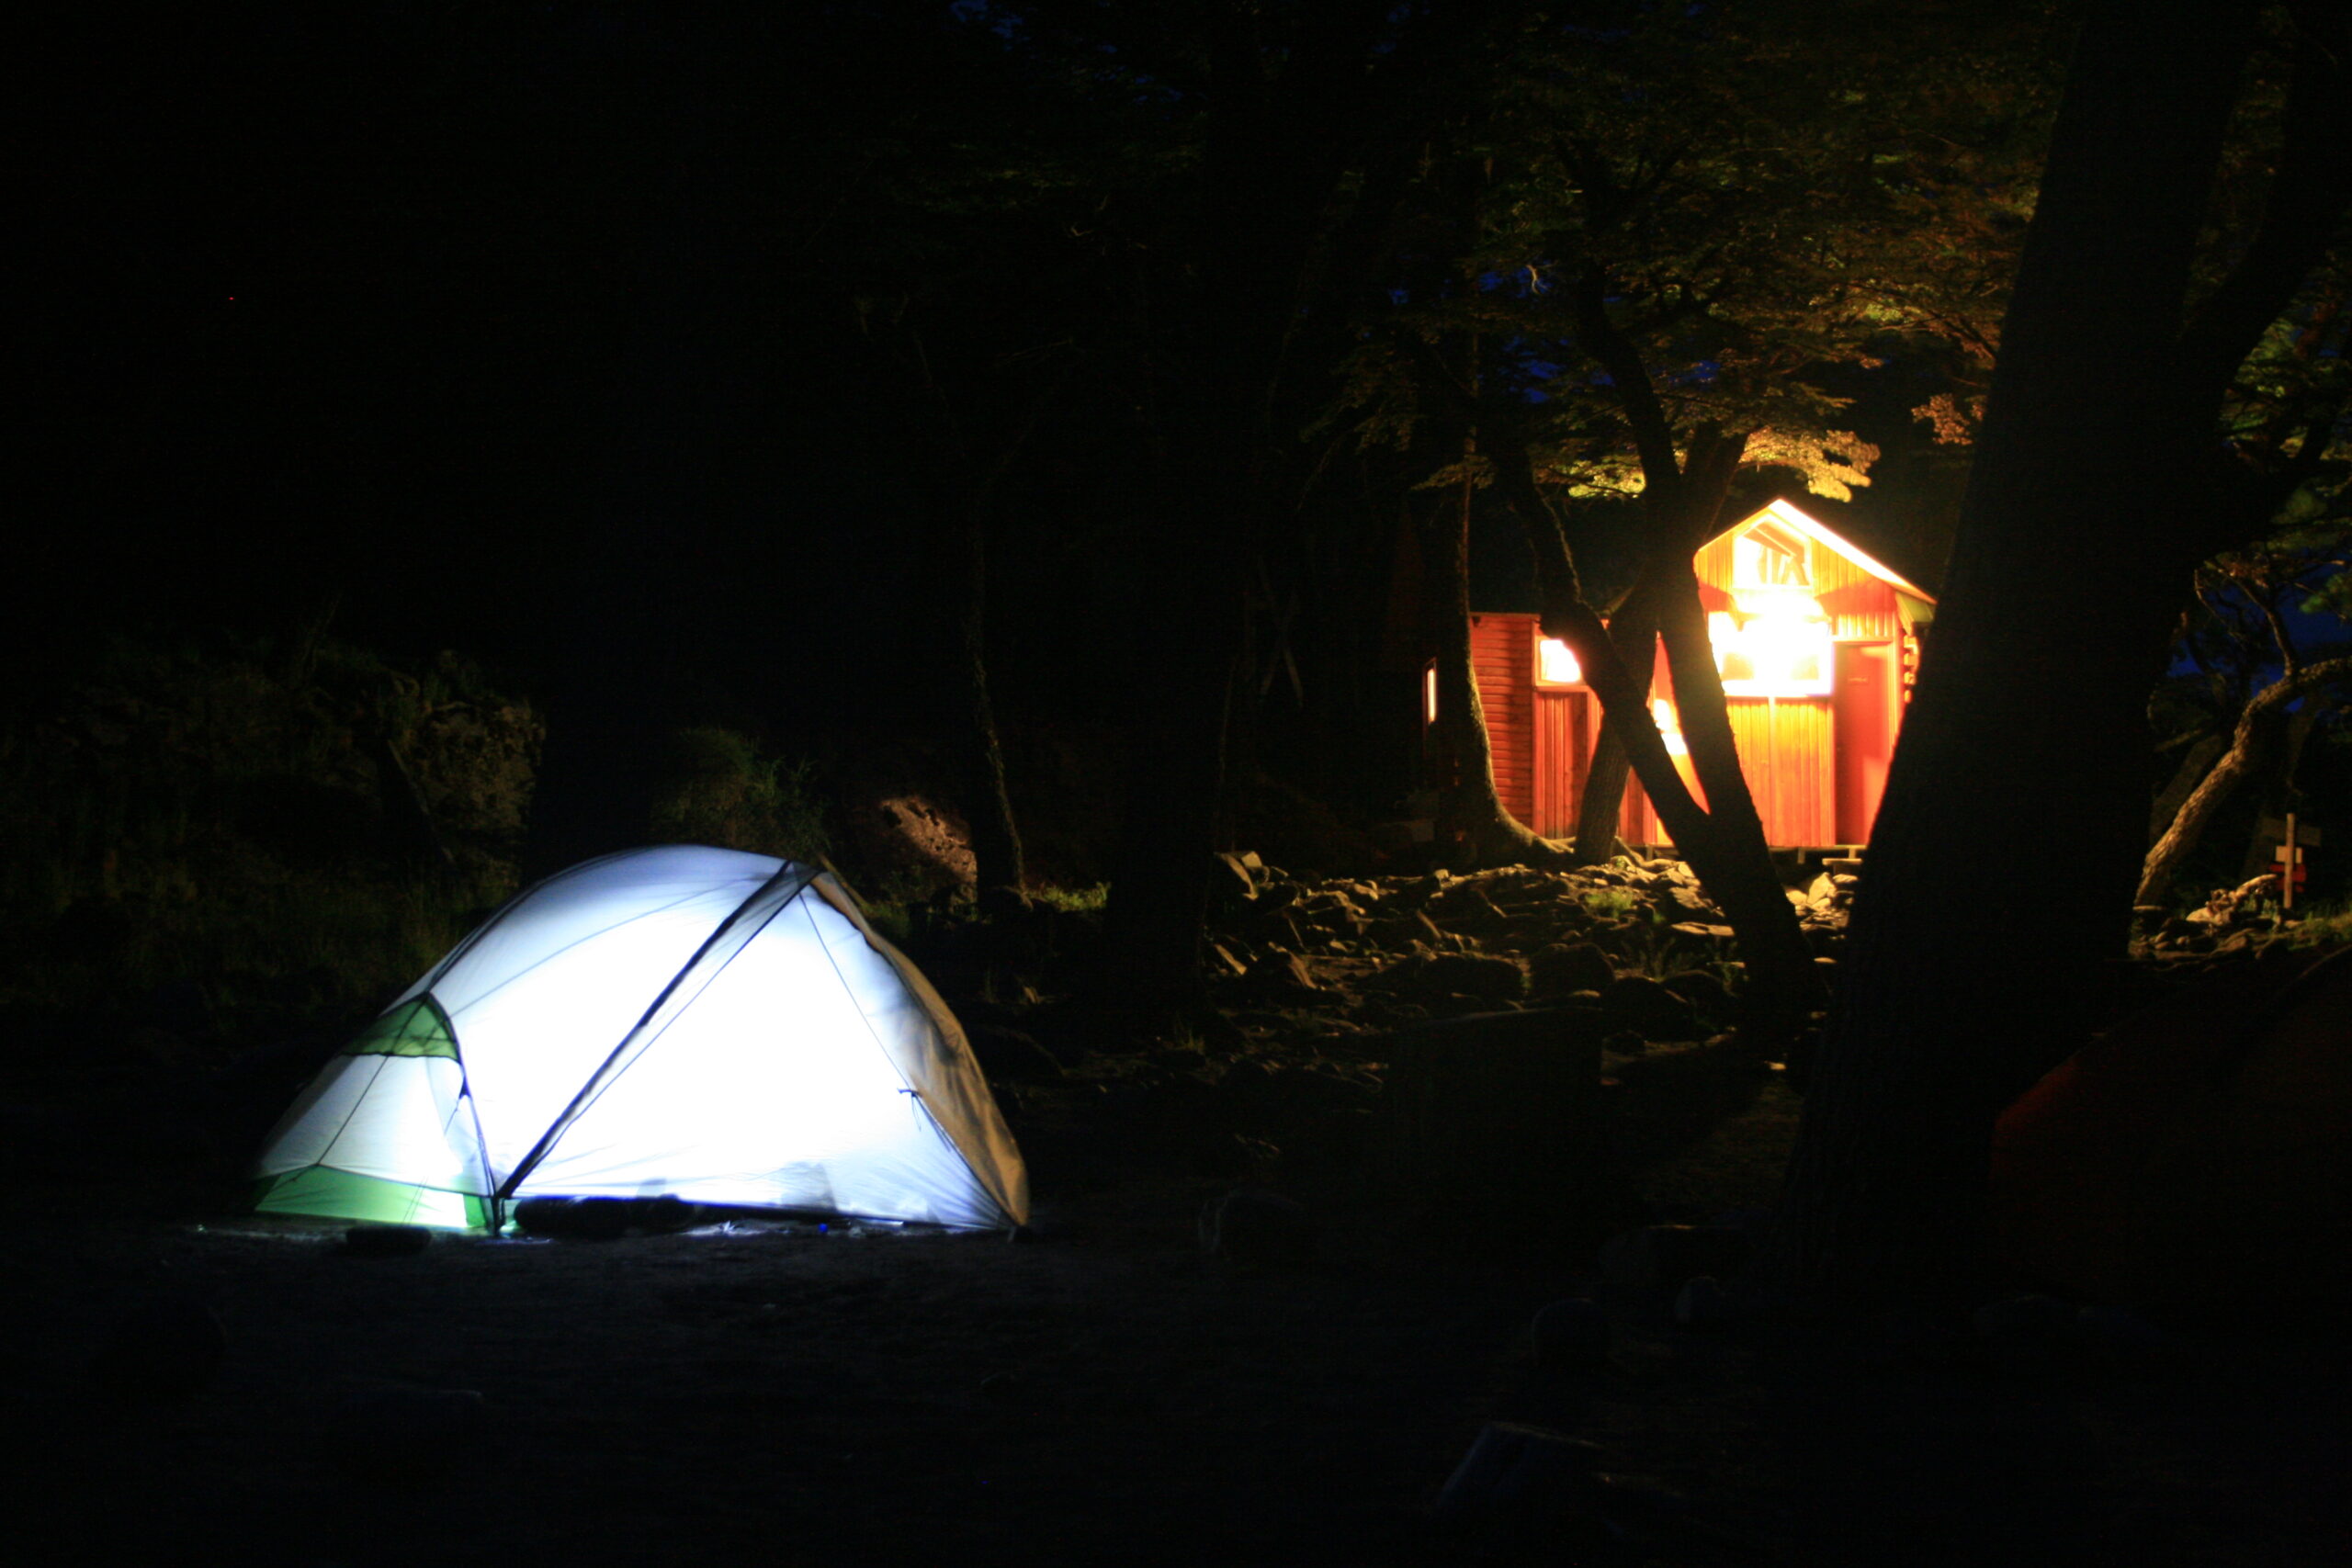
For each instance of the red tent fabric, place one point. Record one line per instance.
(2199, 1156)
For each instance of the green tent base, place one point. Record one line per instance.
(325, 1193)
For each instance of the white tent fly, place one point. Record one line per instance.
(719, 1027)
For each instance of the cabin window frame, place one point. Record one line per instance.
(1546, 683)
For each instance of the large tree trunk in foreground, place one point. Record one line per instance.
(2250, 741)
(1971, 968)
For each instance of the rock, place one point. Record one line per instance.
(908, 833)
(1691, 901)
(1279, 974)
(1708, 995)
(1564, 968)
(1485, 978)
(1249, 1224)
(1702, 1303)
(1332, 913)
(166, 1349)
(1571, 1335)
(386, 1241)
(1230, 882)
(1665, 1257)
(1517, 1476)
(575, 1219)
(1421, 928)
(1640, 1004)
(1467, 903)
(2122, 1340)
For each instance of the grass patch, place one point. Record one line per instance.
(1074, 901)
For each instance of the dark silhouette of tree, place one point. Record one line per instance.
(2100, 480)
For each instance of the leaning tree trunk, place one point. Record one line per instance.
(2195, 763)
(1723, 842)
(2250, 742)
(2086, 511)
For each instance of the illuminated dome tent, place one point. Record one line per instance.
(719, 1027)
(1816, 644)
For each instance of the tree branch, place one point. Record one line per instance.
(2307, 201)
(1636, 394)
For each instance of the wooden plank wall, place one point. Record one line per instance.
(1562, 742)
(1860, 608)
(1502, 656)
(1784, 751)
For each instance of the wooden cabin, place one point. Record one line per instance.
(1817, 644)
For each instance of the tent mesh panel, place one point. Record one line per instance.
(420, 1029)
(325, 1193)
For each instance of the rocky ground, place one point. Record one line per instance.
(1232, 1338)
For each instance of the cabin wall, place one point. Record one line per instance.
(1816, 766)
(1784, 749)
(1564, 742)
(1502, 656)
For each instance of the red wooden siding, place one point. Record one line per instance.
(1503, 654)
(1816, 765)
(1784, 751)
(1869, 711)
(1861, 610)
(1563, 721)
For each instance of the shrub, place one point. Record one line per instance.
(721, 788)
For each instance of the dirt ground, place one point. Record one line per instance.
(1103, 1393)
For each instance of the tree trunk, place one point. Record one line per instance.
(1723, 842)
(998, 872)
(1471, 805)
(2195, 763)
(1602, 808)
(2250, 742)
(2087, 510)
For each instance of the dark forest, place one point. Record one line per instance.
(1581, 754)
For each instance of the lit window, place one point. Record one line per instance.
(1556, 663)
(1773, 645)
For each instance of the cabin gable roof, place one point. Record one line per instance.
(1789, 517)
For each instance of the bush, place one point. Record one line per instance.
(214, 813)
(719, 788)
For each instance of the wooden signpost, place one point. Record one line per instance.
(2294, 839)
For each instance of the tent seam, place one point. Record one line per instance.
(572, 1119)
(912, 1092)
(538, 1151)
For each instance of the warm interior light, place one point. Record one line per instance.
(1773, 645)
(1669, 727)
(1556, 663)
(1428, 693)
